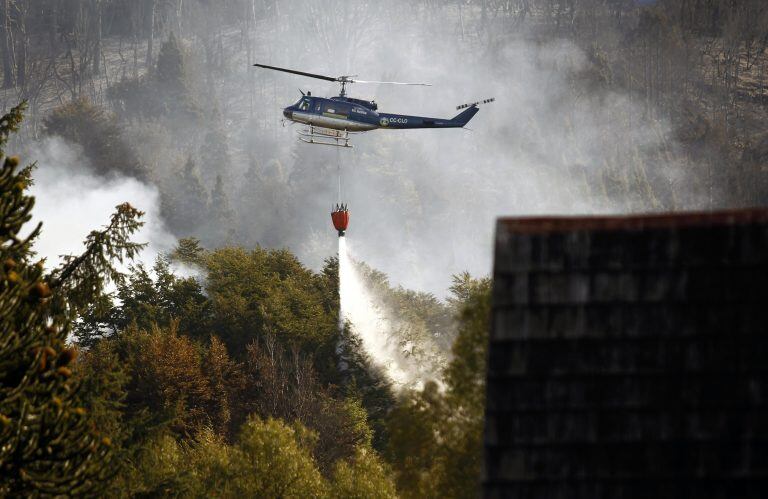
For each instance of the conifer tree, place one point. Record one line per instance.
(250, 205)
(263, 203)
(172, 83)
(222, 217)
(170, 63)
(164, 93)
(48, 445)
(214, 151)
(186, 202)
(189, 251)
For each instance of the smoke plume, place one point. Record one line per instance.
(423, 202)
(71, 201)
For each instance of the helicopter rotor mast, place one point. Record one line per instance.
(344, 80)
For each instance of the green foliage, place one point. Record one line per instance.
(49, 443)
(174, 384)
(162, 95)
(157, 382)
(160, 469)
(171, 83)
(246, 296)
(465, 375)
(365, 476)
(276, 357)
(189, 251)
(284, 385)
(435, 439)
(263, 195)
(280, 460)
(98, 133)
(413, 430)
(214, 150)
(221, 217)
(145, 301)
(83, 278)
(260, 292)
(270, 459)
(185, 203)
(459, 462)
(170, 64)
(422, 326)
(103, 382)
(365, 382)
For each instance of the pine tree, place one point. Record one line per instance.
(171, 80)
(221, 217)
(214, 152)
(263, 204)
(250, 205)
(189, 251)
(170, 64)
(48, 443)
(185, 204)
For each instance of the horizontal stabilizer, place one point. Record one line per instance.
(486, 101)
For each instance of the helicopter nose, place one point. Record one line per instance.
(287, 113)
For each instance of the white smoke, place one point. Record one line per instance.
(71, 202)
(424, 202)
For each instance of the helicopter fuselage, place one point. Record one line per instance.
(356, 115)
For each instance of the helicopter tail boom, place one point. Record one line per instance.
(401, 121)
(466, 115)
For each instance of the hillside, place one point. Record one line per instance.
(215, 360)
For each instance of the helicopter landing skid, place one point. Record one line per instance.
(325, 136)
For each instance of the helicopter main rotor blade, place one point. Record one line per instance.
(340, 79)
(392, 83)
(293, 71)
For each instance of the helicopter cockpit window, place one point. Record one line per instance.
(304, 105)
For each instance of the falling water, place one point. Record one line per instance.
(370, 323)
(343, 264)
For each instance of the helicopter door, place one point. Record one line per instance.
(336, 109)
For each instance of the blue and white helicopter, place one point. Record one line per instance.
(330, 121)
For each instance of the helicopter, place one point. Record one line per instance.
(331, 120)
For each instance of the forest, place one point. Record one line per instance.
(190, 342)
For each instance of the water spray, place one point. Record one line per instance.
(361, 308)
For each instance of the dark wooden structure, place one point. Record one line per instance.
(629, 358)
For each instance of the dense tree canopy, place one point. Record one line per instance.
(186, 371)
(49, 443)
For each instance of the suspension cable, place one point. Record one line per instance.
(338, 169)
